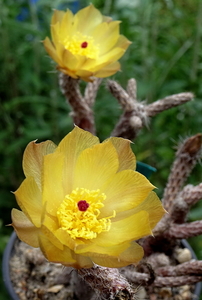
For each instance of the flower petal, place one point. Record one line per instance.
(113, 250)
(48, 228)
(67, 72)
(112, 55)
(66, 240)
(33, 158)
(53, 193)
(96, 166)
(83, 261)
(59, 46)
(131, 255)
(69, 61)
(66, 25)
(86, 19)
(128, 229)
(103, 61)
(29, 199)
(129, 186)
(123, 42)
(53, 254)
(85, 75)
(57, 16)
(152, 205)
(126, 156)
(108, 70)
(108, 34)
(51, 50)
(25, 230)
(71, 146)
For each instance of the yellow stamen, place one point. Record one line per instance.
(83, 224)
(82, 45)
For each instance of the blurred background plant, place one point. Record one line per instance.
(165, 59)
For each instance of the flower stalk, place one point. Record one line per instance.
(82, 113)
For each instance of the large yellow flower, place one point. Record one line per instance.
(85, 44)
(83, 203)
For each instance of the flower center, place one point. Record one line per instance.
(82, 45)
(80, 218)
(83, 205)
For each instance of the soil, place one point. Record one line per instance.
(34, 278)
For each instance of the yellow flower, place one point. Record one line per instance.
(83, 203)
(85, 44)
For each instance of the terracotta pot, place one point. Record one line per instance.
(8, 253)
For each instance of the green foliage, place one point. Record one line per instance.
(164, 58)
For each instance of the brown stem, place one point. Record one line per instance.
(108, 283)
(136, 114)
(91, 91)
(192, 194)
(186, 158)
(176, 281)
(171, 281)
(187, 268)
(184, 231)
(167, 103)
(82, 113)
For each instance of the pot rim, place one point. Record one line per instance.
(9, 249)
(6, 268)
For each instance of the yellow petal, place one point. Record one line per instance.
(33, 158)
(48, 228)
(96, 166)
(53, 254)
(66, 25)
(152, 205)
(106, 35)
(107, 19)
(91, 247)
(131, 255)
(73, 63)
(67, 72)
(71, 147)
(69, 60)
(123, 42)
(86, 19)
(66, 240)
(108, 70)
(57, 42)
(130, 187)
(104, 60)
(29, 199)
(57, 16)
(112, 56)
(131, 228)
(126, 156)
(25, 230)
(53, 193)
(55, 30)
(51, 50)
(82, 261)
(85, 75)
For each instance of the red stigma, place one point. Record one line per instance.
(84, 45)
(83, 205)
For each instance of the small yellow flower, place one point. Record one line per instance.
(83, 203)
(85, 44)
